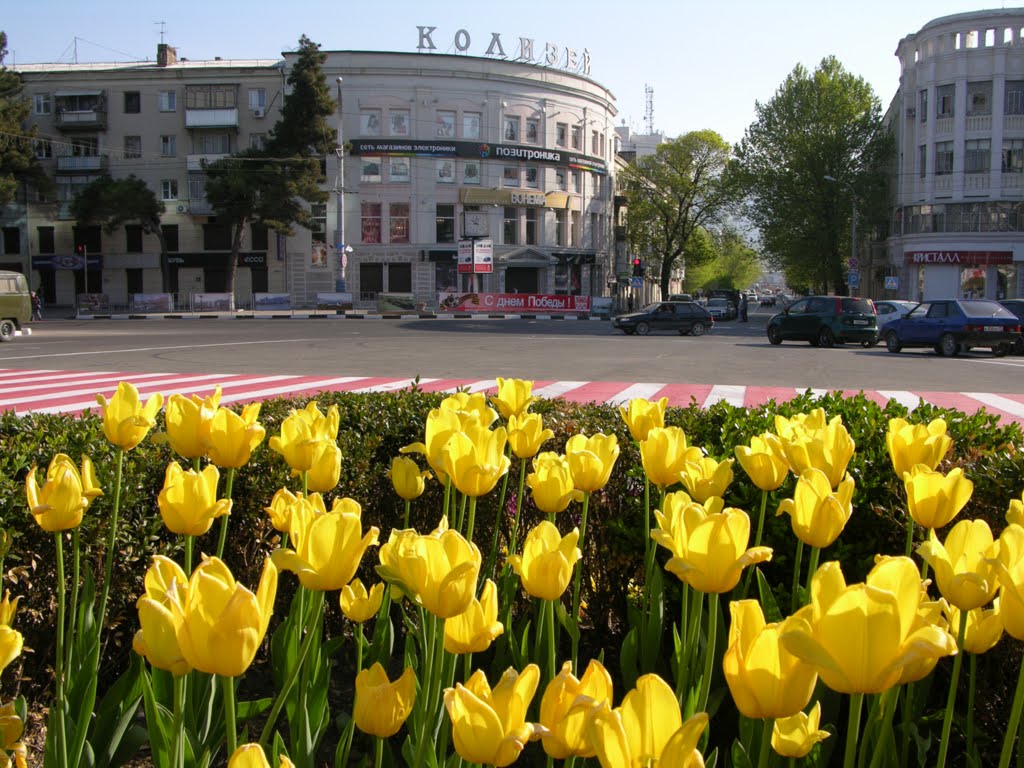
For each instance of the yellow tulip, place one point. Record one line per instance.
(382, 706)
(159, 622)
(646, 729)
(984, 628)
(796, 736)
(929, 613)
(817, 513)
(810, 422)
(965, 565)
(664, 454)
(126, 422)
(708, 543)
(766, 680)
(234, 437)
(11, 643)
(859, 637)
(591, 460)
(11, 729)
(302, 435)
(473, 630)
(222, 622)
(62, 500)
(407, 478)
(545, 567)
(764, 461)
(706, 477)
(325, 471)
(490, 727)
(475, 459)
(551, 483)
(561, 714)
(438, 570)
(513, 398)
(252, 756)
(441, 424)
(283, 505)
(813, 444)
(912, 444)
(470, 407)
(188, 423)
(188, 501)
(327, 547)
(8, 609)
(641, 416)
(1010, 567)
(934, 499)
(526, 433)
(1015, 513)
(357, 604)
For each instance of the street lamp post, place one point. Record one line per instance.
(340, 247)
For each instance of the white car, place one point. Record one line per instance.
(891, 309)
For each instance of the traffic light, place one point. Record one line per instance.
(638, 268)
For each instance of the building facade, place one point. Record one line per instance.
(431, 149)
(957, 226)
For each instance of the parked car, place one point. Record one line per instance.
(686, 317)
(888, 310)
(680, 297)
(951, 326)
(721, 309)
(826, 320)
(767, 300)
(1017, 307)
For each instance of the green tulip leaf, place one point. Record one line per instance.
(772, 614)
(628, 659)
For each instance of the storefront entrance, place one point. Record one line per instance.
(522, 280)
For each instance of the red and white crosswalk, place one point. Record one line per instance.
(59, 391)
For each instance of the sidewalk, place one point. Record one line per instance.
(351, 314)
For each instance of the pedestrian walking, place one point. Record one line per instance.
(37, 306)
(743, 308)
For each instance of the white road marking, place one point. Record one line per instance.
(730, 393)
(902, 396)
(635, 391)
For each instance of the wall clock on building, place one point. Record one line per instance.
(474, 224)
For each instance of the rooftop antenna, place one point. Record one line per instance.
(649, 109)
(161, 23)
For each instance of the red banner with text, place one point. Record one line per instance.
(511, 302)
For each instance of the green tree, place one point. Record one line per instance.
(814, 152)
(18, 163)
(733, 263)
(684, 187)
(304, 130)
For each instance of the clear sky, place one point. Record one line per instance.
(708, 61)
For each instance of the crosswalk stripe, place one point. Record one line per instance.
(999, 402)
(634, 391)
(731, 394)
(909, 399)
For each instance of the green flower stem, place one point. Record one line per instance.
(405, 518)
(882, 748)
(682, 660)
(230, 727)
(69, 642)
(282, 694)
(576, 580)
(360, 642)
(472, 518)
(111, 536)
(488, 571)
(853, 730)
(947, 720)
(812, 566)
(908, 712)
(378, 751)
(189, 541)
(462, 512)
(910, 535)
(229, 484)
(178, 727)
(693, 640)
(794, 601)
(313, 633)
(757, 542)
(551, 640)
(58, 707)
(433, 683)
(765, 755)
(973, 671)
(519, 508)
(447, 499)
(709, 653)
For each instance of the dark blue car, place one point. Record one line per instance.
(951, 326)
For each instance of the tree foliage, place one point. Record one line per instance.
(304, 130)
(814, 151)
(18, 161)
(684, 187)
(732, 264)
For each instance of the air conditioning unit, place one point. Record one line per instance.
(182, 208)
(911, 112)
(259, 112)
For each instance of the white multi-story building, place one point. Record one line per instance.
(958, 186)
(436, 148)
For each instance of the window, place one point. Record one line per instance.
(510, 176)
(595, 143)
(371, 170)
(213, 144)
(257, 140)
(575, 181)
(400, 278)
(132, 102)
(511, 131)
(560, 220)
(1013, 155)
(445, 171)
(944, 100)
(259, 235)
(370, 225)
(133, 238)
(943, 158)
(979, 98)
(1013, 103)
(577, 137)
(196, 187)
(446, 124)
(369, 122)
(533, 131)
(168, 101)
(45, 239)
(399, 122)
(169, 189)
(211, 96)
(977, 156)
(170, 236)
(922, 160)
(398, 225)
(257, 98)
(132, 147)
(923, 106)
(532, 176)
(575, 230)
(41, 104)
(561, 134)
(470, 172)
(531, 226)
(371, 281)
(43, 148)
(398, 170)
(595, 185)
(168, 146)
(510, 226)
(317, 224)
(560, 179)
(471, 125)
(445, 223)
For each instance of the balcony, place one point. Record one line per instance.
(82, 120)
(195, 163)
(1013, 183)
(978, 123)
(944, 125)
(1013, 122)
(199, 206)
(79, 163)
(212, 118)
(977, 182)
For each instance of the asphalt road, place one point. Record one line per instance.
(734, 353)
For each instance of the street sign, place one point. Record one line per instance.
(892, 282)
(853, 279)
(636, 282)
(854, 263)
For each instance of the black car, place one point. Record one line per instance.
(826, 320)
(686, 317)
(1017, 307)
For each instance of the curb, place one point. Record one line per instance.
(314, 315)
